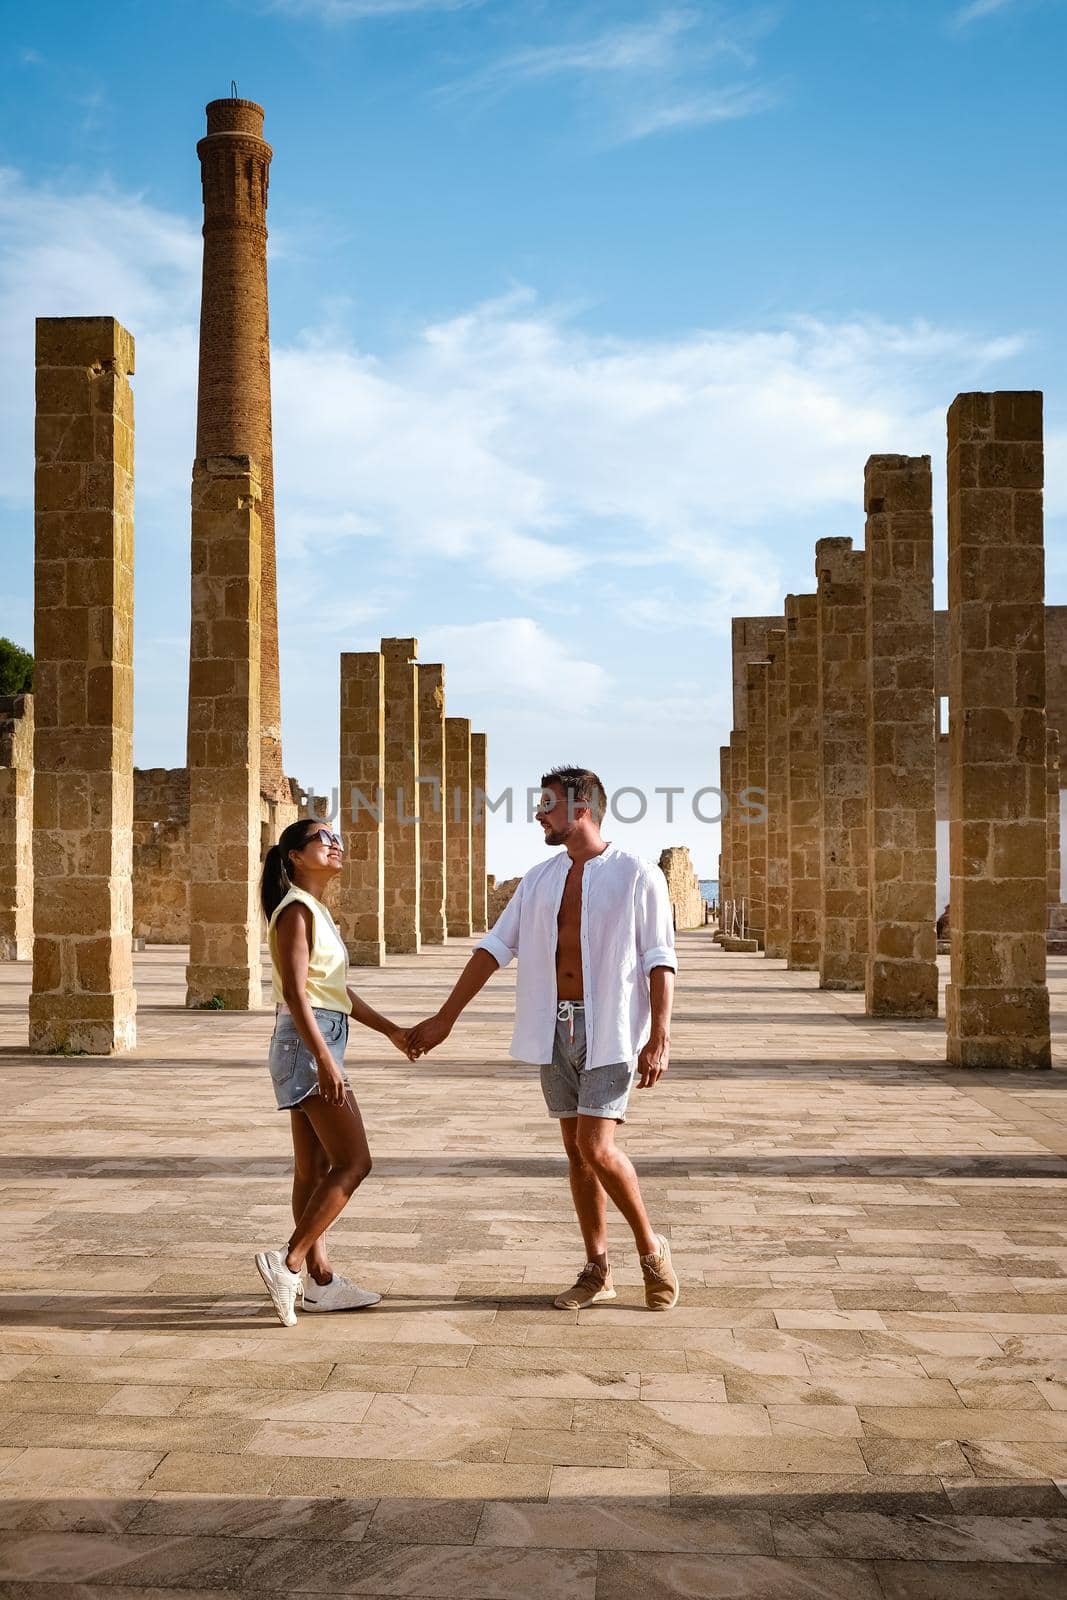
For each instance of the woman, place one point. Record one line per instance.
(308, 962)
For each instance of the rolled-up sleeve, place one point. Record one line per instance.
(502, 940)
(654, 923)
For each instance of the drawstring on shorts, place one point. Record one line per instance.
(565, 1010)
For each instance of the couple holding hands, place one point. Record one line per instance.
(592, 931)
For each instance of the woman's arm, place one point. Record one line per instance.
(369, 1018)
(293, 933)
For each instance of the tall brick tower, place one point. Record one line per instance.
(233, 400)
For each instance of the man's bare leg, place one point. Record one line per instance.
(587, 1192)
(615, 1175)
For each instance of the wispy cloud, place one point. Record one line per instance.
(975, 10)
(684, 67)
(367, 10)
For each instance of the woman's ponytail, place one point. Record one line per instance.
(274, 884)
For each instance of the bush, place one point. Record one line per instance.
(16, 668)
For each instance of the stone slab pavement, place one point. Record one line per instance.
(862, 1393)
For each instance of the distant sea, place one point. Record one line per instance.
(709, 888)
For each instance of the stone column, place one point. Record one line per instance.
(1057, 922)
(997, 1006)
(901, 978)
(725, 828)
(776, 941)
(83, 997)
(233, 410)
(457, 801)
(842, 630)
(224, 856)
(479, 779)
(804, 783)
(361, 891)
(738, 830)
(431, 678)
(753, 814)
(16, 827)
(402, 936)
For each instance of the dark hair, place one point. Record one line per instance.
(581, 787)
(275, 882)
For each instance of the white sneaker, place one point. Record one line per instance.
(340, 1294)
(283, 1286)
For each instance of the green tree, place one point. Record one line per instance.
(16, 668)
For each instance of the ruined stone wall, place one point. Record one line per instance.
(683, 887)
(16, 827)
(161, 854)
(498, 894)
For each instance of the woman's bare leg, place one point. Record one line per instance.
(310, 1165)
(340, 1131)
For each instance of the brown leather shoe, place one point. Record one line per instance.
(594, 1284)
(661, 1280)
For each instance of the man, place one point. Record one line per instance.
(594, 938)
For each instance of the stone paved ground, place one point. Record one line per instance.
(863, 1392)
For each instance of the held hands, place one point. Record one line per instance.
(401, 1038)
(426, 1035)
(653, 1061)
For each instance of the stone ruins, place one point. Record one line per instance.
(94, 853)
(835, 869)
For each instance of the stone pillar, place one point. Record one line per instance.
(16, 827)
(457, 800)
(233, 413)
(726, 888)
(901, 978)
(224, 855)
(842, 633)
(431, 679)
(753, 814)
(402, 936)
(83, 997)
(997, 1005)
(361, 891)
(776, 940)
(803, 782)
(1057, 912)
(738, 829)
(479, 780)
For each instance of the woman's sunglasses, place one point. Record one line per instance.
(324, 836)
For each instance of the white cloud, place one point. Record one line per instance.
(513, 660)
(642, 78)
(976, 9)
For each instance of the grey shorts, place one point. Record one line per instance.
(292, 1066)
(571, 1089)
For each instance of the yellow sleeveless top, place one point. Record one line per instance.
(328, 961)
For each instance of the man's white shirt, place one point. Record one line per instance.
(626, 931)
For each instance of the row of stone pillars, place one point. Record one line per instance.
(830, 832)
(415, 864)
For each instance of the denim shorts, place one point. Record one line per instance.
(571, 1089)
(293, 1071)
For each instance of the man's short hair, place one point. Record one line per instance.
(581, 787)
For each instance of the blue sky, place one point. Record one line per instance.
(585, 317)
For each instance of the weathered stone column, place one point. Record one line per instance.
(431, 681)
(776, 940)
(738, 829)
(233, 410)
(997, 1007)
(83, 997)
(1057, 920)
(479, 780)
(726, 888)
(402, 799)
(16, 827)
(224, 915)
(842, 630)
(361, 891)
(804, 782)
(458, 826)
(753, 821)
(901, 978)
